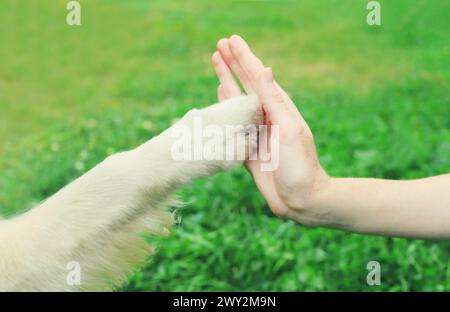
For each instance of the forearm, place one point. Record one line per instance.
(415, 208)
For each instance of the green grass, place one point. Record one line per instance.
(376, 99)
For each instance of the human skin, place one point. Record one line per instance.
(300, 189)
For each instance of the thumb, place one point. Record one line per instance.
(271, 98)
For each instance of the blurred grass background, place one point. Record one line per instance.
(376, 98)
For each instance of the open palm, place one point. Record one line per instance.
(299, 171)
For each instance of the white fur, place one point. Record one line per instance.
(99, 218)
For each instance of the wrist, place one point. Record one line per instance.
(326, 204)
(311, 207)
(321, 186)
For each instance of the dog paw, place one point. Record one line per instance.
(223, 135)
(240, 117)
(241, 110)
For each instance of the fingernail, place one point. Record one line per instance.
(223, 41)
(235, 37)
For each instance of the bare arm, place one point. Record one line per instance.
(415, 208)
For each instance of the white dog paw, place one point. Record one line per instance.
(222, 135)
(240, 117)
(241, 110)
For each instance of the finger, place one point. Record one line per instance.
(246, 58)
(271, 98)
(220, 94)
(289, 104)
(224, 48)
(294, 111)
(229, 86)
(252, 65)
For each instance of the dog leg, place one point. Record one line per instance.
(96, 222)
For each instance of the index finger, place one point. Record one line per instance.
(246, 59)
(223, 46)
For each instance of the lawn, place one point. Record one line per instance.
(376, 98)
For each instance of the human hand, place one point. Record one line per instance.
(291, 189)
